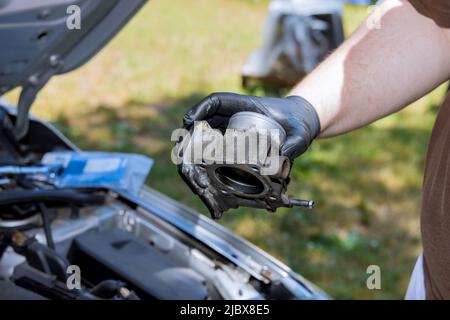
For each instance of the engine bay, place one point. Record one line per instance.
(116, 242)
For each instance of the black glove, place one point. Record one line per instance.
(296, 115)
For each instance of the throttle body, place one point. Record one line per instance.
(239, 166)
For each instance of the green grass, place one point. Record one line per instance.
(367, 184)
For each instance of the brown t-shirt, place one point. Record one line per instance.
(435, 217)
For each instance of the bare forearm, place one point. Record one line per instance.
(378, 71)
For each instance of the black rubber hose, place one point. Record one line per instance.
(54, 196)
(107, 289)
(47, 227)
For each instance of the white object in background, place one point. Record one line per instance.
(295, 19)
(416, 287)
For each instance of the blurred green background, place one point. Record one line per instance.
(366, 184)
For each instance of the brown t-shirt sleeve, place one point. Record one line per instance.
(438, 10)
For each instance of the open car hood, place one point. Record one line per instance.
(38, 44)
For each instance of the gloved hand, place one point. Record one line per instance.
(296, 115)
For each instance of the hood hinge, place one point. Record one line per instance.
(28, 95)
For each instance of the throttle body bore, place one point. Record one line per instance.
(239, 166)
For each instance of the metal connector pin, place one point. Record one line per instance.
(303, 203)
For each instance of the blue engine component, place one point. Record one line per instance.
(119, 171)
